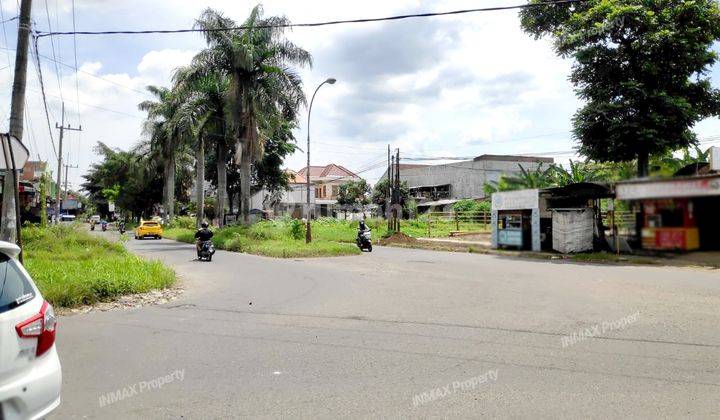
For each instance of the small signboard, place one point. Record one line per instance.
(695, 187)
(714, 153)
(19, 152)
(516, 200)
(510, 237)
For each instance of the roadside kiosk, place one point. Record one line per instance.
(516, 219)
(678, 213)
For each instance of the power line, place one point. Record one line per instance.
(58, 74)
(77, 84)
(412, 157)
(3, 21)
(311, 24)
(77, 69)
(38, 70)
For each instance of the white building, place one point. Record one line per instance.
(290, 201)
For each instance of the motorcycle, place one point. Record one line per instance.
(121, 228)
(92, 226)
(207, 250)
(104, 226)
(364, 241)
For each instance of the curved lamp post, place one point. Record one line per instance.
(308, 233)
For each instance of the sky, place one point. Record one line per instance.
(461, 85)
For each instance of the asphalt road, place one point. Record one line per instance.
(366, 336)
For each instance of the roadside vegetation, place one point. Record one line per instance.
(282, 238)
(73, 268)
(285, 237)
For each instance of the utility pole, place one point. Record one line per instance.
(398, 198)
(10, 224)
(388, 196)
(62, 129)
(66, 180)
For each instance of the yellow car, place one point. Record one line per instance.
(149, 228)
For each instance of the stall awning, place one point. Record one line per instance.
(581, 191)
(697, 186)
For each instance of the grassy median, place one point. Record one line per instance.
(282, 238)
(73, 268)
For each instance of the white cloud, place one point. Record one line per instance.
(159, 66)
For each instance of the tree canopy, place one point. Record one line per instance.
(130, 179)
(640, 66)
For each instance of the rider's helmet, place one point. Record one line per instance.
(204, 225)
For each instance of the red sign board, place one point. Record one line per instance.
(670, 239)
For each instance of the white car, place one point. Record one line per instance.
(30, 374)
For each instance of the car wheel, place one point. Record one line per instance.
(159, 237)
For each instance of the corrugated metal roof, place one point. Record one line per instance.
(438, 203)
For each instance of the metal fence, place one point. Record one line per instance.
(458, 222)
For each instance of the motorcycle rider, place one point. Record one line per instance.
(203, 234)
(362, 227)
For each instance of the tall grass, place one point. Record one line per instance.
(281, 238)
(284, 237)
(72, 267)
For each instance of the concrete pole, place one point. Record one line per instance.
(59, 170)
(62, 128)
(10, 225)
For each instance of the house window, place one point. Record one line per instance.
(319, 192)
(335, 190)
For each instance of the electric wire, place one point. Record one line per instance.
(77, 84)
(58, 73)
(38, 70)
(77, 69)
(313, 24)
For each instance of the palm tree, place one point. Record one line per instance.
(539, 178)
(203, 92)
(164, 139)
(262, 83)
(578, 172)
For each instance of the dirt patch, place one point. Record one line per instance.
(398, 238)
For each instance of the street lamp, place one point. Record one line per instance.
(308, 234)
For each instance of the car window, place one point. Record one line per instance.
(15, 288)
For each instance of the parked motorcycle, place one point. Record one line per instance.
(206, 252)
(121, 228)
(92, 226)
(364, 240)
(103, 224)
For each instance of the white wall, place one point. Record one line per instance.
(296, 195)
(467, 179)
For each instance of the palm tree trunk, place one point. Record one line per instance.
(643, 164)
(200, 181)
(221, 181)
(169, 187)
(245, 182)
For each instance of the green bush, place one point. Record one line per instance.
(471, 206)
(182, 222)
(297, 229)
